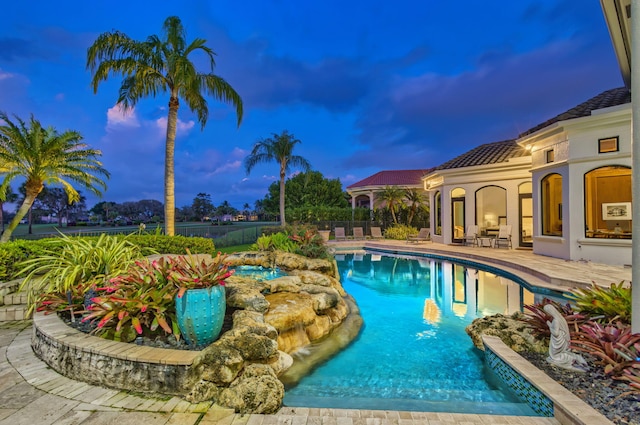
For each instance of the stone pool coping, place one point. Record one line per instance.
(568, 409)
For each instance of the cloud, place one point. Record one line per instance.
(119, 116)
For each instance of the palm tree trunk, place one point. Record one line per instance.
(2, 216)
(169, 169)
(22, 211)
(282, 220)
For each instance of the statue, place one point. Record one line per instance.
(559, 353)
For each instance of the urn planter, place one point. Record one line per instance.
(200, 313)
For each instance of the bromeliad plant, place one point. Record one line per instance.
(141, 300)
(59, 278)
(612, 303)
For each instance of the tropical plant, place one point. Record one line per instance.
(536, 318)
(610, 343)
(400, 232)
(632, 376)
(612, 303)
(142, 298)
(42, 156)
(278, 148)
(68, 271)
(417, 200)
(390, 196)
(309, 242)
(161, 65)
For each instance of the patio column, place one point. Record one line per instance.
(635, 163)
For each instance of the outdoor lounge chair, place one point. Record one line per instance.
(358, 233)
(339, 234)
(504, 237)
(471, 237)
(422, 236)
(376, 233)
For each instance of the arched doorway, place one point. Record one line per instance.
(457, 215)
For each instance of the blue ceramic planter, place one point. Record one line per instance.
(200, 314)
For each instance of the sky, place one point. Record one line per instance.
(365, 86)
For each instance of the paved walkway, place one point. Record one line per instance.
(33, 394)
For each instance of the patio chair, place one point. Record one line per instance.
(423, 235)
(376, 233)
(471, 237)
(358, 233)
(339, 234)
(504, 237)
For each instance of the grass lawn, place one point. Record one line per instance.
(235, 248)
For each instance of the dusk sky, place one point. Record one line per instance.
(365, 85)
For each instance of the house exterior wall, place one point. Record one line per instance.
(507, 175)
(575, 145)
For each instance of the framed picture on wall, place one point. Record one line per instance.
(616, 211)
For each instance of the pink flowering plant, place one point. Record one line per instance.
(141, 301)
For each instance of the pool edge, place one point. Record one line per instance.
(568, 409)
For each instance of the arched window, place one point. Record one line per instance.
(438, 211)
(551, 205)
(491, 208)
(607, 202)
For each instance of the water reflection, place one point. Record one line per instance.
(447, 288)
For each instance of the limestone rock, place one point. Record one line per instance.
(256, 391)
(246, 298)
(286, 310)
(512, 331)
(250, 346)
(219, 363)
(203, 391)
(309, 277)
(285, 284)
(281, 363)
(245, 321)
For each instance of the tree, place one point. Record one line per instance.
(225, 208)
(161, 65)
(202, 206)
(45, 156)
(9, 196)
(103, 209)
(310, 189)
(278, 148)
(416, 200)
(390, 196)
(54, 201)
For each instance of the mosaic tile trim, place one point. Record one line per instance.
(525, 391)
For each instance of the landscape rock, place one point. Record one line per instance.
(258, 390)
(510, 329)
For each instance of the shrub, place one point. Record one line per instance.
(400, 231)
(611, 343)
(536, 318)
(613, 303)
(68, 271)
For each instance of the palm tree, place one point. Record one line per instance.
(9, 196)
(391, 196)
(278, 148)
(161, 65)
(416, 200)
(45, 156)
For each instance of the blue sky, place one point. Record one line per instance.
(365, 85)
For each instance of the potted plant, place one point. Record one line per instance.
(182, 295)
(200, 300)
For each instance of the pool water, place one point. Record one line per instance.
(259, 273)
(412, 352)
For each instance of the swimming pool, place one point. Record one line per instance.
(413, 352)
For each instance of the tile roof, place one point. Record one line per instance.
(606, 99)
(489, 153)
(392, 178)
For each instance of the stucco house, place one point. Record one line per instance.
(363, 192)
(487, 186)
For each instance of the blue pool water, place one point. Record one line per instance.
(258, 272)
(412, 352)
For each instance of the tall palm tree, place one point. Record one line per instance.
(390, 196)
(416, 200)
(278, 148)
(45, 156)
(161, 65)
